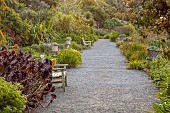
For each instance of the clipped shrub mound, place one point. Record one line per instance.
(11, 100)
(113, 36)
(70, 56)
(106, 36)
(134, 51)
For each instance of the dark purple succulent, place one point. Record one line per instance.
(21, 67)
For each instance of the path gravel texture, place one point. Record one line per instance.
(102, 84)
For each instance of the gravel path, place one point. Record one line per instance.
(103, 85)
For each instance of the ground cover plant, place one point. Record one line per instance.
(160, 74)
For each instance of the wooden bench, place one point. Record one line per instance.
(59, 75)
(87, 44)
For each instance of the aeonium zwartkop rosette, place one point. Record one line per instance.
(35, 77)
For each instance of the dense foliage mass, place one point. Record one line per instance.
(70, 56)
(12, 101)
(46, 22)
(113, 36)
(134, 51)
(35, 77)
(33, 24)
(152, 14)
(160, 74)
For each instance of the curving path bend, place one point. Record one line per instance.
(103, 85)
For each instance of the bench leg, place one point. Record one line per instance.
(63, 81)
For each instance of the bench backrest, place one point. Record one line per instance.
(83, 41)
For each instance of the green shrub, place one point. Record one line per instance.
(45, 49)
(113, 36)
(64, 23)
(106, 36)
(126, 29)
(88, 15)
(155, 45)
(77, 38)
(134, 51)
(76, 46)
(160, 74)
(110, 23)
(100, 37)
(11, 100)
(166, 53)
(159, 70)
(90, 37)
(34, 52)
(119, 44)
(91, 22)
(122, 35)
(70, 56)
(136, 65)
(38, 49)
(74, 37)
(100, 32)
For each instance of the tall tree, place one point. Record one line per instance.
(154, 14)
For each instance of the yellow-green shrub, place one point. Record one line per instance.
(136, 65)
(76, 46)
(166, 53)
(113, 36)
(11, 100)
(160, 74)
(70, 56)
(106, 36)
(134, 51)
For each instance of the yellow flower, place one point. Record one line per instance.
(54, 61)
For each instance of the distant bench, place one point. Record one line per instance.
(87, 44)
